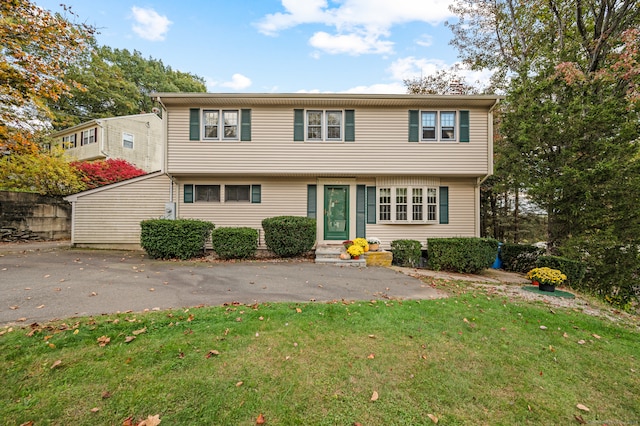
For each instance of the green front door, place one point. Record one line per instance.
(336, 212)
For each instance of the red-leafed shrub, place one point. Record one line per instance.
(103, 172)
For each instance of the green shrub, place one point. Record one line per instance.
(519, 257)
(289, 236)
(234, 243)
(466, 255)
(171, 239)
(573, 269)
(406, 252)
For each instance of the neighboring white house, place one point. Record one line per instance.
(134, 138)
(389, 166)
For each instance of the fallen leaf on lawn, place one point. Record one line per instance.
(260, 420)
(372, 336)
(29, 423)
(95, 409)
(596, 336)
(103, 340)
(239, 384)
(106, 395)
(582, 407)
(136, 332)
(191, 318)
(465, 320)
(56, 364)
(129, 339)
(542, 327)
(128, 421)
(211, 353)
(579, 419)
(565, 335)
(76, 331)
(433, 418)
(298, 310)
(371, 356)
(581, 342)
(375, 396)
(151, 421)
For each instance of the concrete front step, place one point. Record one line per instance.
(330, 254)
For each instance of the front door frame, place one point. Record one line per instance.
(320, 199)
(337, 217)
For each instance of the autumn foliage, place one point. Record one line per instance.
(104, 172)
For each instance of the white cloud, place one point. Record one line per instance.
(425, 40)
(361, 24)
(237, 82)
(149, 24)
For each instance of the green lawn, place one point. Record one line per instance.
(472, 359)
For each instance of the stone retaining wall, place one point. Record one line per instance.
(27, 217)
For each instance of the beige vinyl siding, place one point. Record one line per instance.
(279, 197)
(462, 218)
(381, 148)
(111, 218)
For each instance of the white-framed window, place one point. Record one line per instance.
(407, 204)
(127, 140)
(87, 137)
(69, 141)
(324, 125)
(220, 124)
(438, 125)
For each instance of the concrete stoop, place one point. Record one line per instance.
(330, 254)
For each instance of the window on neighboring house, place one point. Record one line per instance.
(237, 193)
(88, 137)
(324, 125)
(69, 141)
(127, 140)
(208, 193)
(211, 123)
(407, 204)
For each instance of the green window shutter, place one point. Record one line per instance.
(188, 193)
(464, 126)
(256, 194)
(414, 125)
(361, 211)
(349, 125)
(371, 204)
(444, 204)
(245, 128)
(311, 201)
(298, 125)
(194, 124)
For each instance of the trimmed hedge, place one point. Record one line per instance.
(466, 255)
(573, 269)
(519, 257)
(289, 236)
(171, 239)
(406, 252)
(234, 243)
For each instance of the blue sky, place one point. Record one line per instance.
(281, 46)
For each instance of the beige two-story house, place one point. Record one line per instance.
(385, 166)
(134, 138)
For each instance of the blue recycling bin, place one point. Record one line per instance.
(497, 264)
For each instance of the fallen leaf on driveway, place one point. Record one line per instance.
(14, 307)
(40, 307)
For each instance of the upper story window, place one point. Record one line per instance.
(220, 124)
(69, 141)
(439, 126)
(407, 204)
(324, 125)
(127, 140)
(88, 136)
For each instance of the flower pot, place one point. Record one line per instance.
(356, 257)
(536, 283)
(547, 287)
(374, 247)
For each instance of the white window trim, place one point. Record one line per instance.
(221, 125)
(425, 204)
(324, 123)
(70, 141)
(439, 138)
(91, 133)
(132, 138)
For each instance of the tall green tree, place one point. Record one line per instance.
(570, 119)
(116, 82)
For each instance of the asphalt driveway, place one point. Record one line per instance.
(46, 281)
